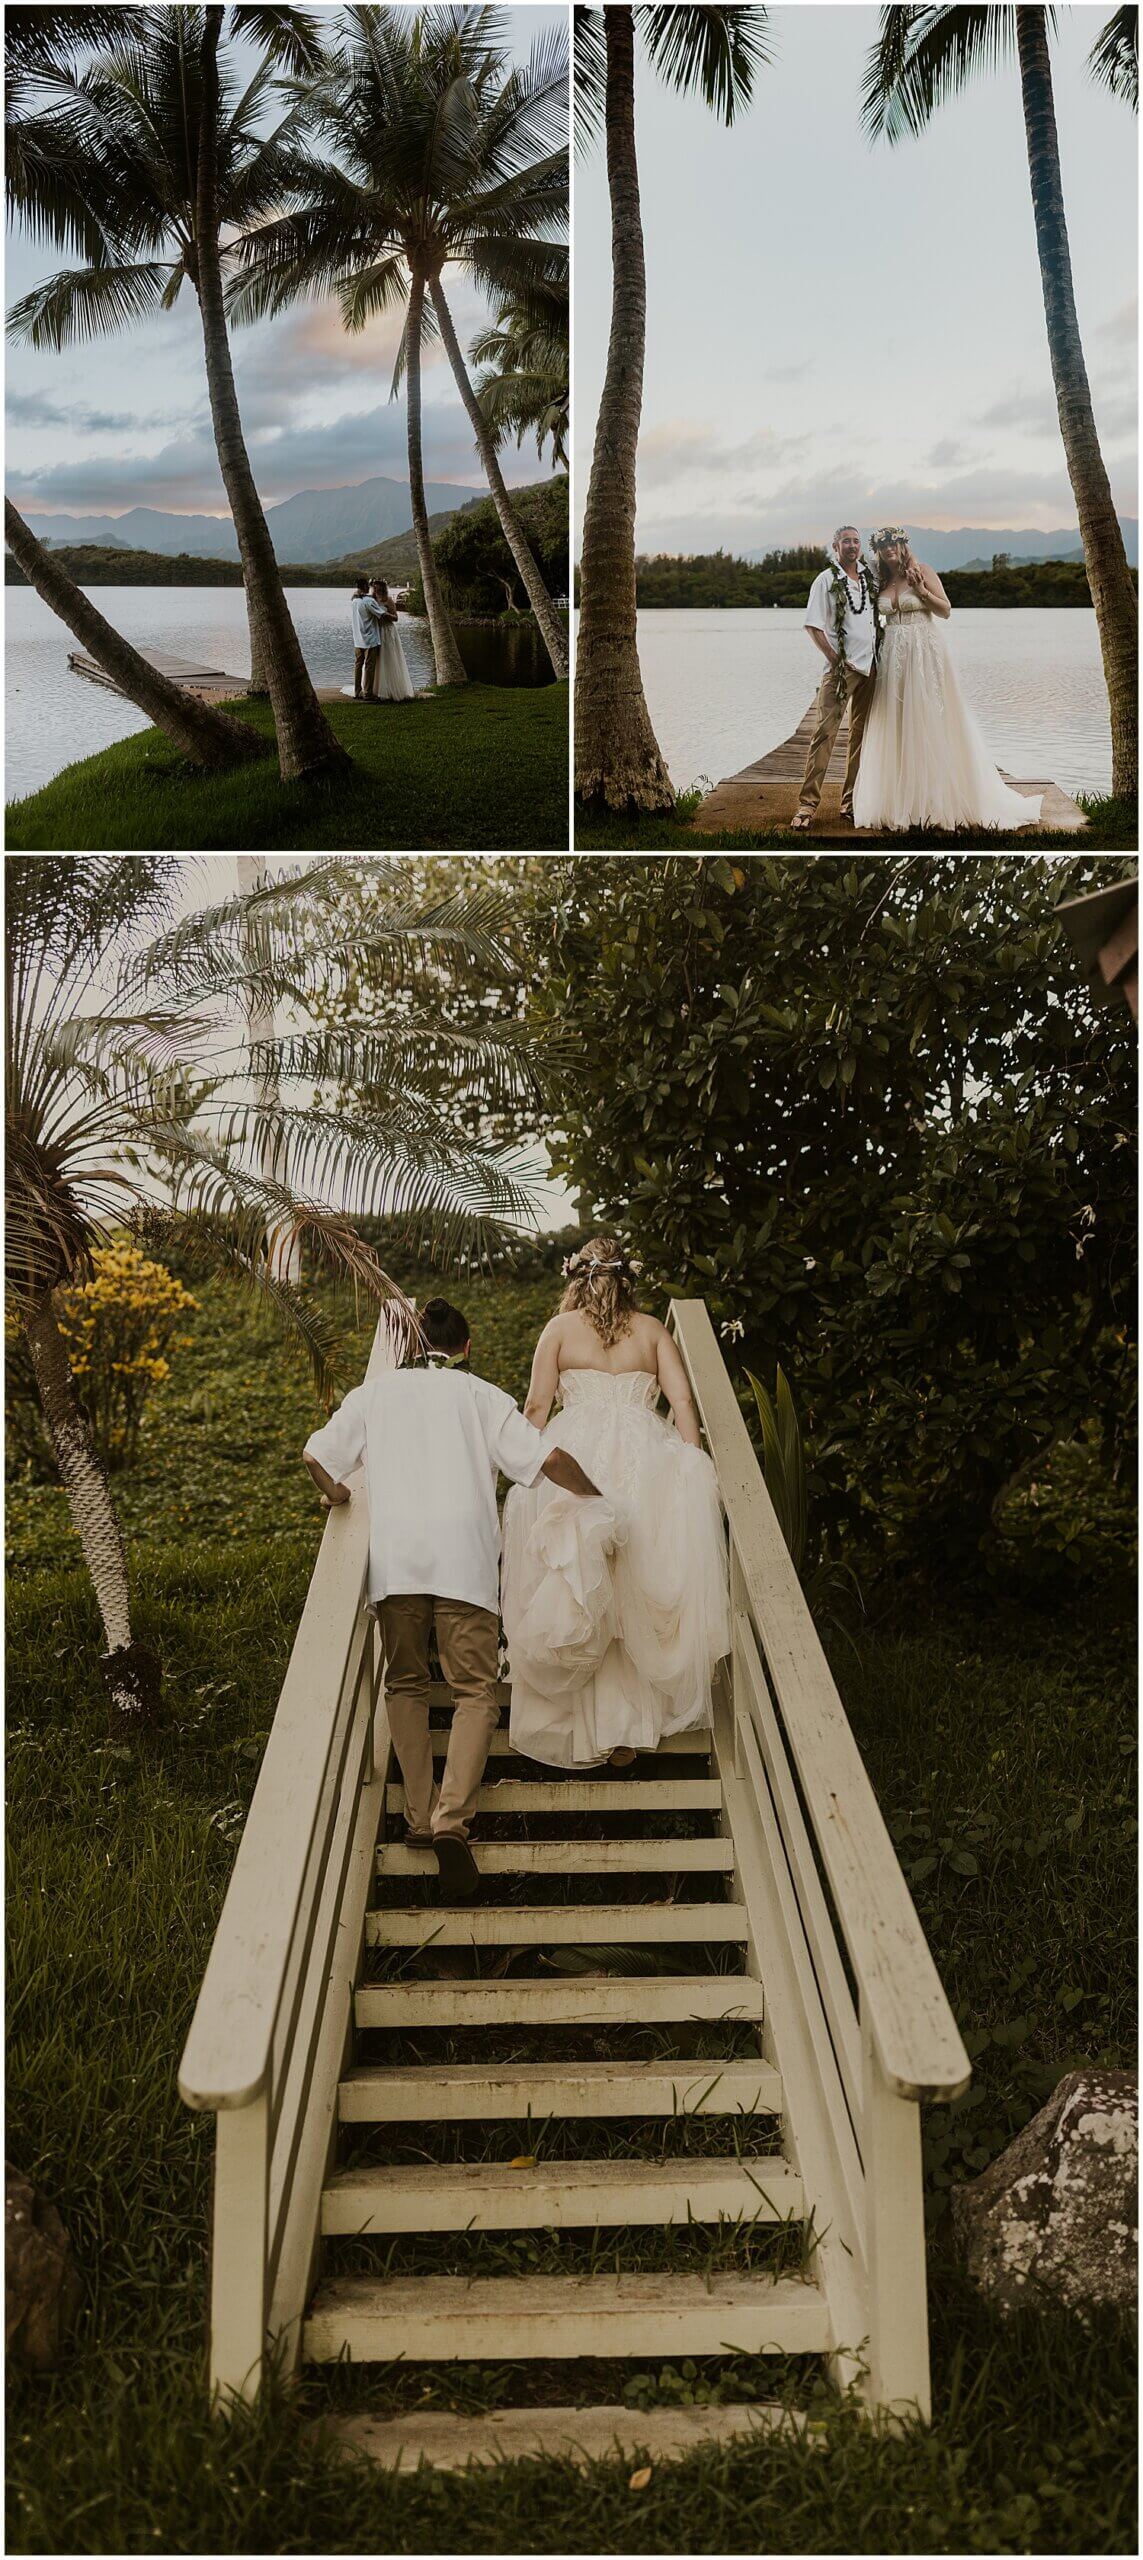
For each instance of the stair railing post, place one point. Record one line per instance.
(239, 2250)
(898, 2377)
(738, 1606)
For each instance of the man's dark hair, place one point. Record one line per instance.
(361, 580)
(443, 1326)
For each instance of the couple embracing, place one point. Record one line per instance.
(613, 1588)
(915, 755)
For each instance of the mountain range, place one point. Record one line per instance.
(317, 524)
(972, 545)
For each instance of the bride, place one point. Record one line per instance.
(615, 1609)
(924, 762)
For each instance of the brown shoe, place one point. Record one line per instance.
(456, 1865)
(418, 1839)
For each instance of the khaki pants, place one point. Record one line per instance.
(468, 1644)
(830, 707)
(364, 669)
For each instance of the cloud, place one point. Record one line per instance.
(1123, 325)
(34, 409)
(946, 454)
(1034, 413)
(183, 476)
(690, 447)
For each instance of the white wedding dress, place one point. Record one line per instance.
(924, 762)
(615, 1607)
(392, 681)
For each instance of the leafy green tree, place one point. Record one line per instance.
(477, 569)
(716, 52)
(867, 1108)
(440, 155)
(925, 56)
(158, 151)
(147, 1110)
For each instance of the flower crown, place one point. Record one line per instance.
(889, 533)
(577, 1266)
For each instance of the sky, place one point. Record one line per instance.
(125, 422)
(841, 330)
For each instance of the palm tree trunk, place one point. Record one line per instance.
(259, 682)
(617, 758)
(446, 655)
(307, 747)
(1108, 575)
(130, 1671)
(208, 738)
(548, 619)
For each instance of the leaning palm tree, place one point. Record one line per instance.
(167, 150)
(439, 154)
(925, 56)
(132, 1110)
(717, 52)
(525, 388)
(40, 53)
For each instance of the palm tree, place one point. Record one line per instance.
(164, 152)
(40, 50)
(133, 1111)
(926, 55)
(439, 154)
(717, 52)
(525, 388)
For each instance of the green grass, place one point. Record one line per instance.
(484, 766)
(1113, 826)
(1001, 1744)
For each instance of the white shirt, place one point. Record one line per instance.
(433, 1441)
(821, 615)
(366, 619)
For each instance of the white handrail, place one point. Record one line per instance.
(902, 1999)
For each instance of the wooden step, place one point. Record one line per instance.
(559, 2195)
(438, 2319)
(586, 2000)
(694, 1744)
(563, 1924)
(445, 2440)
(571, 1857)
(511, 2092)
(588, 1795)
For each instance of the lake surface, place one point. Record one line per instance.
(724, 688)
(53, 717)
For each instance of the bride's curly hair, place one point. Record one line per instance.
(601, 1277)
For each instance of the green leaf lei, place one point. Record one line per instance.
(841, 592)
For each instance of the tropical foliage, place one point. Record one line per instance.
(526, 387)
(171, 1111)
(118, 1328)
(867, 1109)
(478, 573)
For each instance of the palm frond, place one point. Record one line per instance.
(714, 51)
(925, 56)
(1114, 57)
(84, 303)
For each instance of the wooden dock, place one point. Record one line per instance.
(765, 795)
(192, 675)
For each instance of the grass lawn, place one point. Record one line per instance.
(1113, 827)
(990, 1730)
(481, 766)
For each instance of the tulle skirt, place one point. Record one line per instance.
(615, 1608)
(924, 762)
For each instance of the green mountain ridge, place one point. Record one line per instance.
(111, 564)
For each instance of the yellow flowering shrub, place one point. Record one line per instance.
(119, 1327)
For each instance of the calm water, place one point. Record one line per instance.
(723, 688)
(54, 717)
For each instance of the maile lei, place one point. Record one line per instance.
(845, 606)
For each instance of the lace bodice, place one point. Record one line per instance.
(638, 1387)
(908, 602)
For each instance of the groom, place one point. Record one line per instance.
(433, 1439)
(841, 620)
(366, 617)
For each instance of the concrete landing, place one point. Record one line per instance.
(765, 795)
(446, 2442)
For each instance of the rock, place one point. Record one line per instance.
(1053, 2220)
(44, 2289)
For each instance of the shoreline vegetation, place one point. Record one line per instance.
(717, 580)
(482, 766)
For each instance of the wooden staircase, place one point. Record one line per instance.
(711, 2123)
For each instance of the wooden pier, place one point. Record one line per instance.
(765, 795)
(192, 675)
